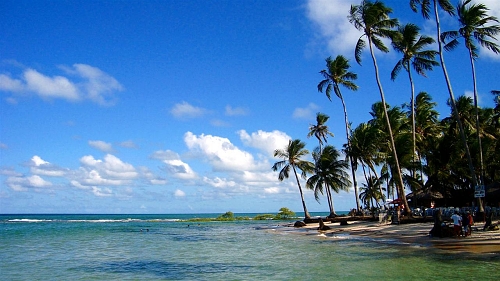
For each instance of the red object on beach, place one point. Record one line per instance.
(396, 201)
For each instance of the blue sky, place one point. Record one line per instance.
(177, 106)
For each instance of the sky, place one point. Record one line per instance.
(173, 107)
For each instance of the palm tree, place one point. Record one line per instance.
(291, 156)
(425, 6)
(411, 45)
(329, 173)
(371, 191)
(337, 73)
(320, 131)
(473, 21)
(372, 18)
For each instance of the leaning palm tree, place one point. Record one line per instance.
(411, 45)
(337, 73)
(329, 173)
(474, 20)
(372, 19)
(291, 156)
(425, 6)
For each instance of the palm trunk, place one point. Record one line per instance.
(306, 213)
(481, 163)
(454, 105)
(330, 202)
(412, 116)
(353, 171)
(400, 183)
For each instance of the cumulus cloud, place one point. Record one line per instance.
(89, 83)
(222, 154)
(110, 171)
(308, 112)
(186, 110)
(24, 183)
(219, 182)
(101, 145)
(174, 165)
(38, 166)
(265, 141)
(330, 17)
(179, 193)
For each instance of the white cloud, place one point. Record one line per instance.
(3, 146)
(98, 85)
(265, 141)
(47, 87)
(186, 110)
(128, 144)
(91, 83)
(110, 171)
(174, 165)
(10, 85)
(272, 190)
(101, 145)
(38, 166)
(333, 25)
(236, 111)
(25, 183)
(222, 154)
(219, 182)
(102, 192)
(308, 112)
(179, 193)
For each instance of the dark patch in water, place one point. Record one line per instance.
(169, 270)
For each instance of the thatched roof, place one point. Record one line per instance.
(429, 195)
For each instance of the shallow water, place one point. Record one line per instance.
(105, 247)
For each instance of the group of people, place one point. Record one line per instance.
(462, 224)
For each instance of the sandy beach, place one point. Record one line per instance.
(413, 233)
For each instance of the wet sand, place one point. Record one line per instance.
(413, 233)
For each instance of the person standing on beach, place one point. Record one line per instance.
(465, 224)
(457, 224)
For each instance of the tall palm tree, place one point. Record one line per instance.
(291, 156)
(372, 19)
(425, 6)
(474, 24)
(411, 45)
(320, 131)
(329, 173)
(337, 73)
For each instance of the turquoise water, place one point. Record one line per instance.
(113, 247)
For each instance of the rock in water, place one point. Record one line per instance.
(299, 224)
(322, 225)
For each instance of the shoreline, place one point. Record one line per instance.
(414, 234)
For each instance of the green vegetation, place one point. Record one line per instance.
(283, 214)
(408, 147)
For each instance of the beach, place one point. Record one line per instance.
(416, 234)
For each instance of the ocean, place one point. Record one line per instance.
(163, 247)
